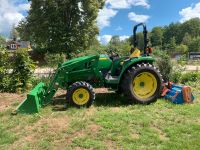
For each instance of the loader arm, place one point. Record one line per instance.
(51, 89)
(78, 69)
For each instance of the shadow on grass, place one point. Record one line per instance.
(110, 99)
(102, 99)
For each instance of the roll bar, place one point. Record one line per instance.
(135, 42)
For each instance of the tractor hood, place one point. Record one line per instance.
(79, 59)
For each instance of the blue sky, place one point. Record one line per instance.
(153, 12)
(117, 17)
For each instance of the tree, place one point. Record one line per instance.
(2, 42)
(63, 25)
(125, 48)
(182, 49)
(115, 40)
(140, 40)
(23, 31)
(173, 30)
(121, 47)
(171, 46)
(13, 33)
(194, 46)
(186, 39)
(156, 36)
(192, 26)
(4, 66)
(163, 62)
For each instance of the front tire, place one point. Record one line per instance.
(80, 94)
(142, 83)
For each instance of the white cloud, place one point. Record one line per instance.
(112, 7)
(138, 18)
(23, 7)
(105, 39)
(143, 3)
(11, 12)
(190, 12)
(125, 4)
(123, 37)
(117, 4)
(103, 19)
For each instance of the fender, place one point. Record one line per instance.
(128, 64)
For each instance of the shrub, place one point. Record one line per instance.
(53, 60)
(4, 66)
(190, 77)
(176, 76)
(36, 80)
(183, 49)
(163, 63)
(23, 68)
(177, 71)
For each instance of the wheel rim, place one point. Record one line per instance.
(81, 96)
(144, 85)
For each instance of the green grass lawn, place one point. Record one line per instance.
(111, 123)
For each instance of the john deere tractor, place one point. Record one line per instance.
(134, 76)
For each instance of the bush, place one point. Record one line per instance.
(53, 60)
(190, 77)
(163, 63)
(177, 71)
(4, 66)
(22, 69)
(45, 79)
(183, 49)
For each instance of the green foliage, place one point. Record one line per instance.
(53, 60)
(23, 31)
(182, 49)
(120, 47)
(186, 39)
(175, 35)
(180, 76)
(23, 67)
(115, 40)
(114, 46)
(194, 45)
(140, 40)
(190, 77)
(93, 50)
(170, 47)
(172, 31)
(163, 62)
(192, 26)
(2, 42)
(4, 66)
(178, 68)
(64, 25)
(13, 33)
(175, 77)
(157, 36)
(15, 72)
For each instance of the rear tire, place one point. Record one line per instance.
(80, 94)
(142, 83)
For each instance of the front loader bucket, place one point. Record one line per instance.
(34, 100)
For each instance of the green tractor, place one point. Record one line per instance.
(134, 76)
